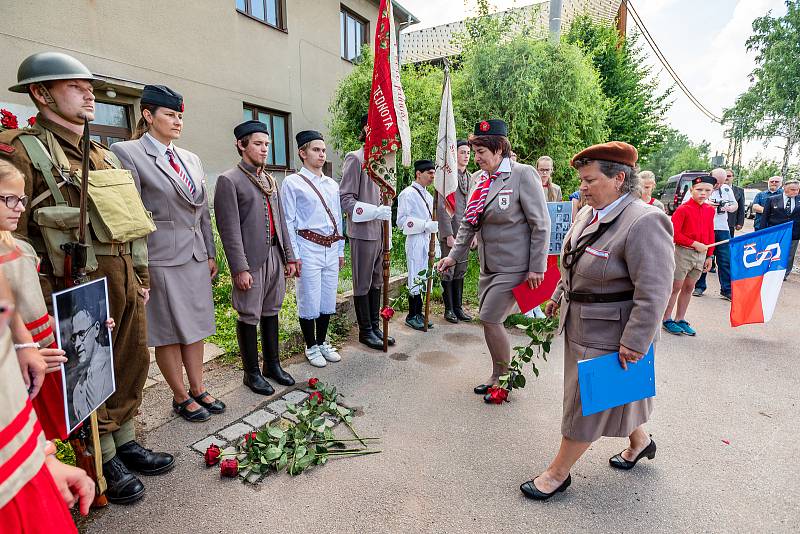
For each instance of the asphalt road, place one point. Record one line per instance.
(726, 424)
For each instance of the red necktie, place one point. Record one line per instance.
(478, 200)
(179, 170)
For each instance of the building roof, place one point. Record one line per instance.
(438, 42)
(402, 13)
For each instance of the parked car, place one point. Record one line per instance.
(749, 196)
(675, 189)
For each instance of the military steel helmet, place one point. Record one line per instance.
(49, 66)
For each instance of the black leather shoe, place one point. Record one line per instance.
(123, 486)
(197, 416)
(145, 461)
(215, 406)
(375, 315)
(258, 384)
(530, 490)
(618, 462)
(482, 389)
(270, 346)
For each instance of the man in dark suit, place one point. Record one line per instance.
(784, 208)
(735, 218)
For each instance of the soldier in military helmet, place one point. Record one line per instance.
(62, 89)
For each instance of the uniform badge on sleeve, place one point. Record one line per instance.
(359, 211)
(410, 224)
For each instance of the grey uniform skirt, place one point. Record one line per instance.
(495, 296)
(181, 308)
(616, 422)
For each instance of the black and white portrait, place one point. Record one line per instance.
(81, 315)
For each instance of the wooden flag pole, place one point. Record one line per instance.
(431, 254)
(386, 264)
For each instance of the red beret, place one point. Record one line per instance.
(615, 151)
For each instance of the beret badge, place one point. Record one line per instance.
(484, 126)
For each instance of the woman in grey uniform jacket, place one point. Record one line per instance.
(507, 211)
(180, 311)
(616, 277)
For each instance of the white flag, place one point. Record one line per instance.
(401, 112)
(446, 180)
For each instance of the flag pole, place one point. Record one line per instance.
(431, 254)
(386, 264)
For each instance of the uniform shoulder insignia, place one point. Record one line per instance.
(7, 149)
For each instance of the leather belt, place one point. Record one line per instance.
(319, 239)
(111, 249)
(596, 298)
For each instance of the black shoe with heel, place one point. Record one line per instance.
(144, 461)
(215, 406)
(618, 462)
(530, 490)
(482, 389)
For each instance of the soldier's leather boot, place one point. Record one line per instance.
(270, 346)
(447, 297)
(123, 486)
(458, 299)
(366, 335)
(375, 298)
(247, 335)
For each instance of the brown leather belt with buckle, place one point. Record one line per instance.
(599, 298)
(319, 239)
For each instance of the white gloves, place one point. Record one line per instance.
(383, 213)
(363, 212)
(413, 226)
(432, 227)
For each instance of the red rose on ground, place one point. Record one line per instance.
(31, 121)
(229, 468)
(312, 382)
(315, 396)
(8, 119)
(387, 312)
(498, 395)
(250, 437)
(484, 126)
(212, 455)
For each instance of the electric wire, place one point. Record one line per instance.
(663, 60)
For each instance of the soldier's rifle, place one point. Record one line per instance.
(75, 274)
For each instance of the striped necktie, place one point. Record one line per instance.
(478, 200)
(174, 164)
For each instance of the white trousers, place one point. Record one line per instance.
(319, 279)
(417, 247)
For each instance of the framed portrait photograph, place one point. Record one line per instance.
(81, 314)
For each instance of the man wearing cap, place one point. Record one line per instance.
(251, 225)
(507, 211)
(453, 280)
(313, 219)
(415, 219)
(62, 89)
(616, 278)
(361, 202)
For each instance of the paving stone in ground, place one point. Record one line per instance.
(259, 418)
(235, 431)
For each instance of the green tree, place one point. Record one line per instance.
(637, 108)
(422, 85)
(759, 170)
(771, 106)
(677, 154)
(549, 95)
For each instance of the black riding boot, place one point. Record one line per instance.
(247, 334)
(447, 297)
(458, 296)
(270, 346)
(375, 298)
(366, 335)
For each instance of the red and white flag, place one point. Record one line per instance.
(446, 180)
(387, 127)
